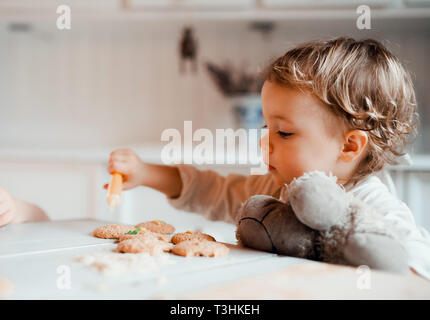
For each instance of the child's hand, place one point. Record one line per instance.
(7, 207)
(127, 163)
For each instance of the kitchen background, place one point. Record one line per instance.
(70, 97)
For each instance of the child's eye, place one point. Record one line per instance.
(264, 127)
(284, 134)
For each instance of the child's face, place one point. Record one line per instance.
(299, 139)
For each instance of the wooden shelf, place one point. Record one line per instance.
(242, 12)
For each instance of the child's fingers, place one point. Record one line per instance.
(121, 154)
(4, 206)
(119, 158)
(120, 167)
(121, 151)
(117, 169)
(126, 185)
(114, 163)
(116, 152)
(2, 194)
(6, 217)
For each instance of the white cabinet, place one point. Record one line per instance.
(413, 188)
(330, 4)
(417, 3)
(190, 4)
(52, 4)
(252, 10)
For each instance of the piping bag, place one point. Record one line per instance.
(113, 197)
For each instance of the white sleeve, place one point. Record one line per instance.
(416, 239)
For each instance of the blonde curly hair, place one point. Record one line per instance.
(364, 85)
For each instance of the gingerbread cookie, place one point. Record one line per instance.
(148, 244)
(185, 236)
(112, 231)
(143, 233)
(190, 248)
(157, 226)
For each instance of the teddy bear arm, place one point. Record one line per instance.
(376, 251)
(265, 223)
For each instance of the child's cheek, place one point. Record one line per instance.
(291, 168)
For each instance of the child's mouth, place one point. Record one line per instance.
(271, 168)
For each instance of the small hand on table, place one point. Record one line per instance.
(7, 207)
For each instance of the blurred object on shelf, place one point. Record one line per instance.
(244, 90)
(247, 111)
(188, 50)
(19, 27)
(264, 27)
(234, 82)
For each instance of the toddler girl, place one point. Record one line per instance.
(342, 106)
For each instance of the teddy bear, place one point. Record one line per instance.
(319, 220)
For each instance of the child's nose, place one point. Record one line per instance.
(265, 143)
(266, 148)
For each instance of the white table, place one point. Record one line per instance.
(33, 257)
(30, 255)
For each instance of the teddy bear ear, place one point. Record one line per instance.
(251, 233)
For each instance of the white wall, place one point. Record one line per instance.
(118, 82)
(108, 83)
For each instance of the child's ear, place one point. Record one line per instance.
(355, 142)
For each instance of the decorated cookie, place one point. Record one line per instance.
(149, 245)
(141, 233)
(112, 231)
(184, 236)
(190, 248)
(157, 226)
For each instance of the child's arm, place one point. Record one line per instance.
(16, 211)
(27, 212)
(214, 196)
(165, 179)
(7, 207)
